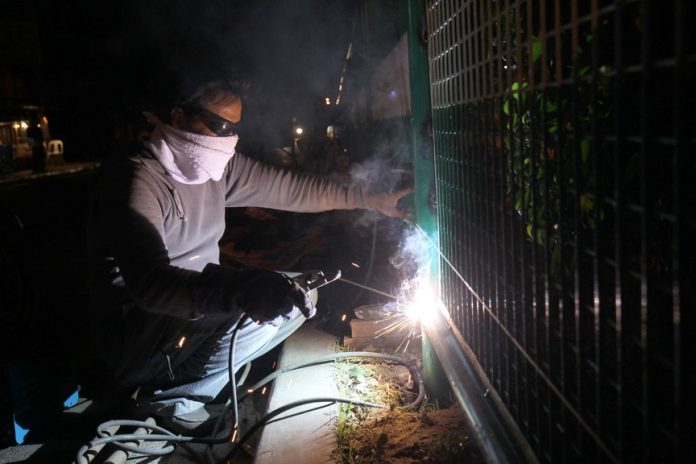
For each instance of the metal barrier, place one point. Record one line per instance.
(564, 163)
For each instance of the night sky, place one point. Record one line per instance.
(102, 60)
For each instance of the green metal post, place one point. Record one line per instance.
(413, 17)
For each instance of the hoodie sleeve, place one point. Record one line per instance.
(252, 183)
(128, 211)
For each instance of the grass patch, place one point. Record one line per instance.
(392, 435)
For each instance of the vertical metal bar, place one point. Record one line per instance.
(620, 269)
(501, 9)
(496, 107)
(559, 43)
(509, 239)
(486, 241)
(553, 454)
(577, 228)
(679, 167)
(562, 233)
(520, 258)
(467, 177)
(473, 116)
(598, 202)
(537, 153)
(646, 145)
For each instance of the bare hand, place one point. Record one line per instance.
(386, 203)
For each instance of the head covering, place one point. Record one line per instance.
(188, 157)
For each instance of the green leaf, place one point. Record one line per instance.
(584, 150)
(540, 238)
(506, 107)
(530, 231)
(586, 204)
(536, 50)
(515, 90)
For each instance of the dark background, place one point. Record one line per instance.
(94, 67)
(103, 62)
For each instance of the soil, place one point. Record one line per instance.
(394, 435)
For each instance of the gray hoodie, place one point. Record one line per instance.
(150, 238)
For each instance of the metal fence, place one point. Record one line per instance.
(565, 172)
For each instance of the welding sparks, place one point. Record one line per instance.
(423, 305)
(263, 391)
(343, 318)
(418, 307)
(355, 265)
(182, 340)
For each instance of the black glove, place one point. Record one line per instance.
(269, 294)
(263, 295)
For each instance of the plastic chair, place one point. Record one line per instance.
(55, 149)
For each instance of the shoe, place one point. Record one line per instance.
(197, 423)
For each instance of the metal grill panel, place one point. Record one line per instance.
(564, 166)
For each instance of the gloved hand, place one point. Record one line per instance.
(263, 295)
(267, 295)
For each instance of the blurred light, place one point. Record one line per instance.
(299, 131)
(263, 391)
(250, 390)
(327, 100)
(355, 265)
(24, 125)
(182, 340)
(16, 126)
(424, 304)
(343, 318)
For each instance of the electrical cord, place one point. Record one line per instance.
(167, 436)
(412, 367)
(233, 403)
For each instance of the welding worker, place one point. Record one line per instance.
(162, 308)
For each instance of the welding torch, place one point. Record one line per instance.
(311, 280)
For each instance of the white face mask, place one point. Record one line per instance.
(190, 158)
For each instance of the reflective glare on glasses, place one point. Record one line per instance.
(217, 124)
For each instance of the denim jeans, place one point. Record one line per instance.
(182, 376)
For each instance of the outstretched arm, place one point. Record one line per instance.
(387, 203)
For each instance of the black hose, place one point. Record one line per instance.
(211, 440)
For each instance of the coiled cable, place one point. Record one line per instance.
(118, 440)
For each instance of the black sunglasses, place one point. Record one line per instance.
(217, 124)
